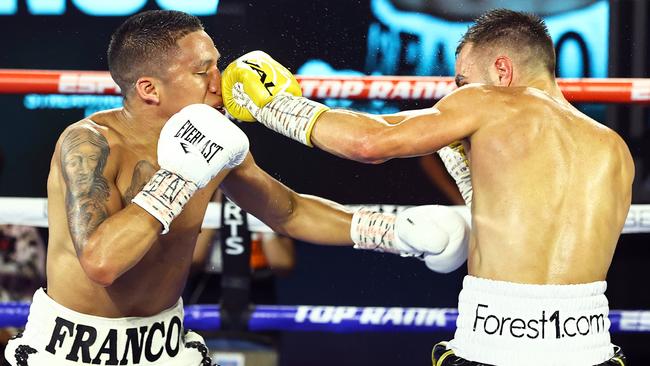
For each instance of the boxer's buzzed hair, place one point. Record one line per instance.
(518, 31)
(141, 45)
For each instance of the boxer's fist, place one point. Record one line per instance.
(256, 87)
(194, 145)
(438, 234)
(198, 142)
(251, 82)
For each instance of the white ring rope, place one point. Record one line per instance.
(33, 212)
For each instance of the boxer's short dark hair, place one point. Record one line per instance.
(142, 43)
(518, 30)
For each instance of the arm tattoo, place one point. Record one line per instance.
(84, 153)
(142, 173)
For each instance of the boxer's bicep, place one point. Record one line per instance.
(426, 134)
(453, 118)
(347, 133)
(376, 138)
(399, 117)
(83, 156)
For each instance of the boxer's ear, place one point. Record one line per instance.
(147, 89)
(504, 69)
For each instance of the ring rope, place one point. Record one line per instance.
(31, 211)
(338, 319)
(603, 90)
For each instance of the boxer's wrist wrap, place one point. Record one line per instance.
(164, 196)
(286, 114)
(455, 160)
(292, 116)
(373, 231)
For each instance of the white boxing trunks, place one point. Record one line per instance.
(57, 336)
(510, 324)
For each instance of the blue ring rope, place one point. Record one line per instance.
(339, 319)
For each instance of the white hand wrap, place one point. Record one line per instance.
(437, 234)
(164, 196)
(375, 231)
(456, 163)
(286, 114)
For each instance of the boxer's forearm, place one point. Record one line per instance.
(303, 217)
(374, 139)
(317, 220)
(118, 244)
(349, 135)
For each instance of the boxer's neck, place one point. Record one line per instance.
(546, 84)
(141, 123)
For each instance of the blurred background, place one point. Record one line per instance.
(593, 38)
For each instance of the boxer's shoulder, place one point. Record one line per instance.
(99, 124)
(106, 123)
(494, 95)
(481, 98)
(99, 128)
(469, 91)
(92, 139)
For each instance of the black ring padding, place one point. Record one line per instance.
(236, 271)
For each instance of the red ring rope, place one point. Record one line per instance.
(363, 87)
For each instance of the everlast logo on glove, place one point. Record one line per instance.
(192, 135)
(152, 342)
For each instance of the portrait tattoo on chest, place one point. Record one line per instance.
(142, 173)
(84, 153)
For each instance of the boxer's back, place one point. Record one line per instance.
(551, 191)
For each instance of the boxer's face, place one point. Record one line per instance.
(192, 75)
(467, 68)
(474, 66)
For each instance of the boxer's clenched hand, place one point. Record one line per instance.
(198, 142)
(252, 81)
(256, 87)
(194, 146)
(436, 234)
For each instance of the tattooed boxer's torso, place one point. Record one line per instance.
(96, 169)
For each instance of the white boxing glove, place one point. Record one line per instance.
(436, 234)
(194, 146)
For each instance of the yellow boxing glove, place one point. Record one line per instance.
(255, 87)
(261, 77)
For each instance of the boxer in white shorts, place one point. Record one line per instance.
(59, 336)
(551, 188)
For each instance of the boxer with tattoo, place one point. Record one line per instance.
(127, 193)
